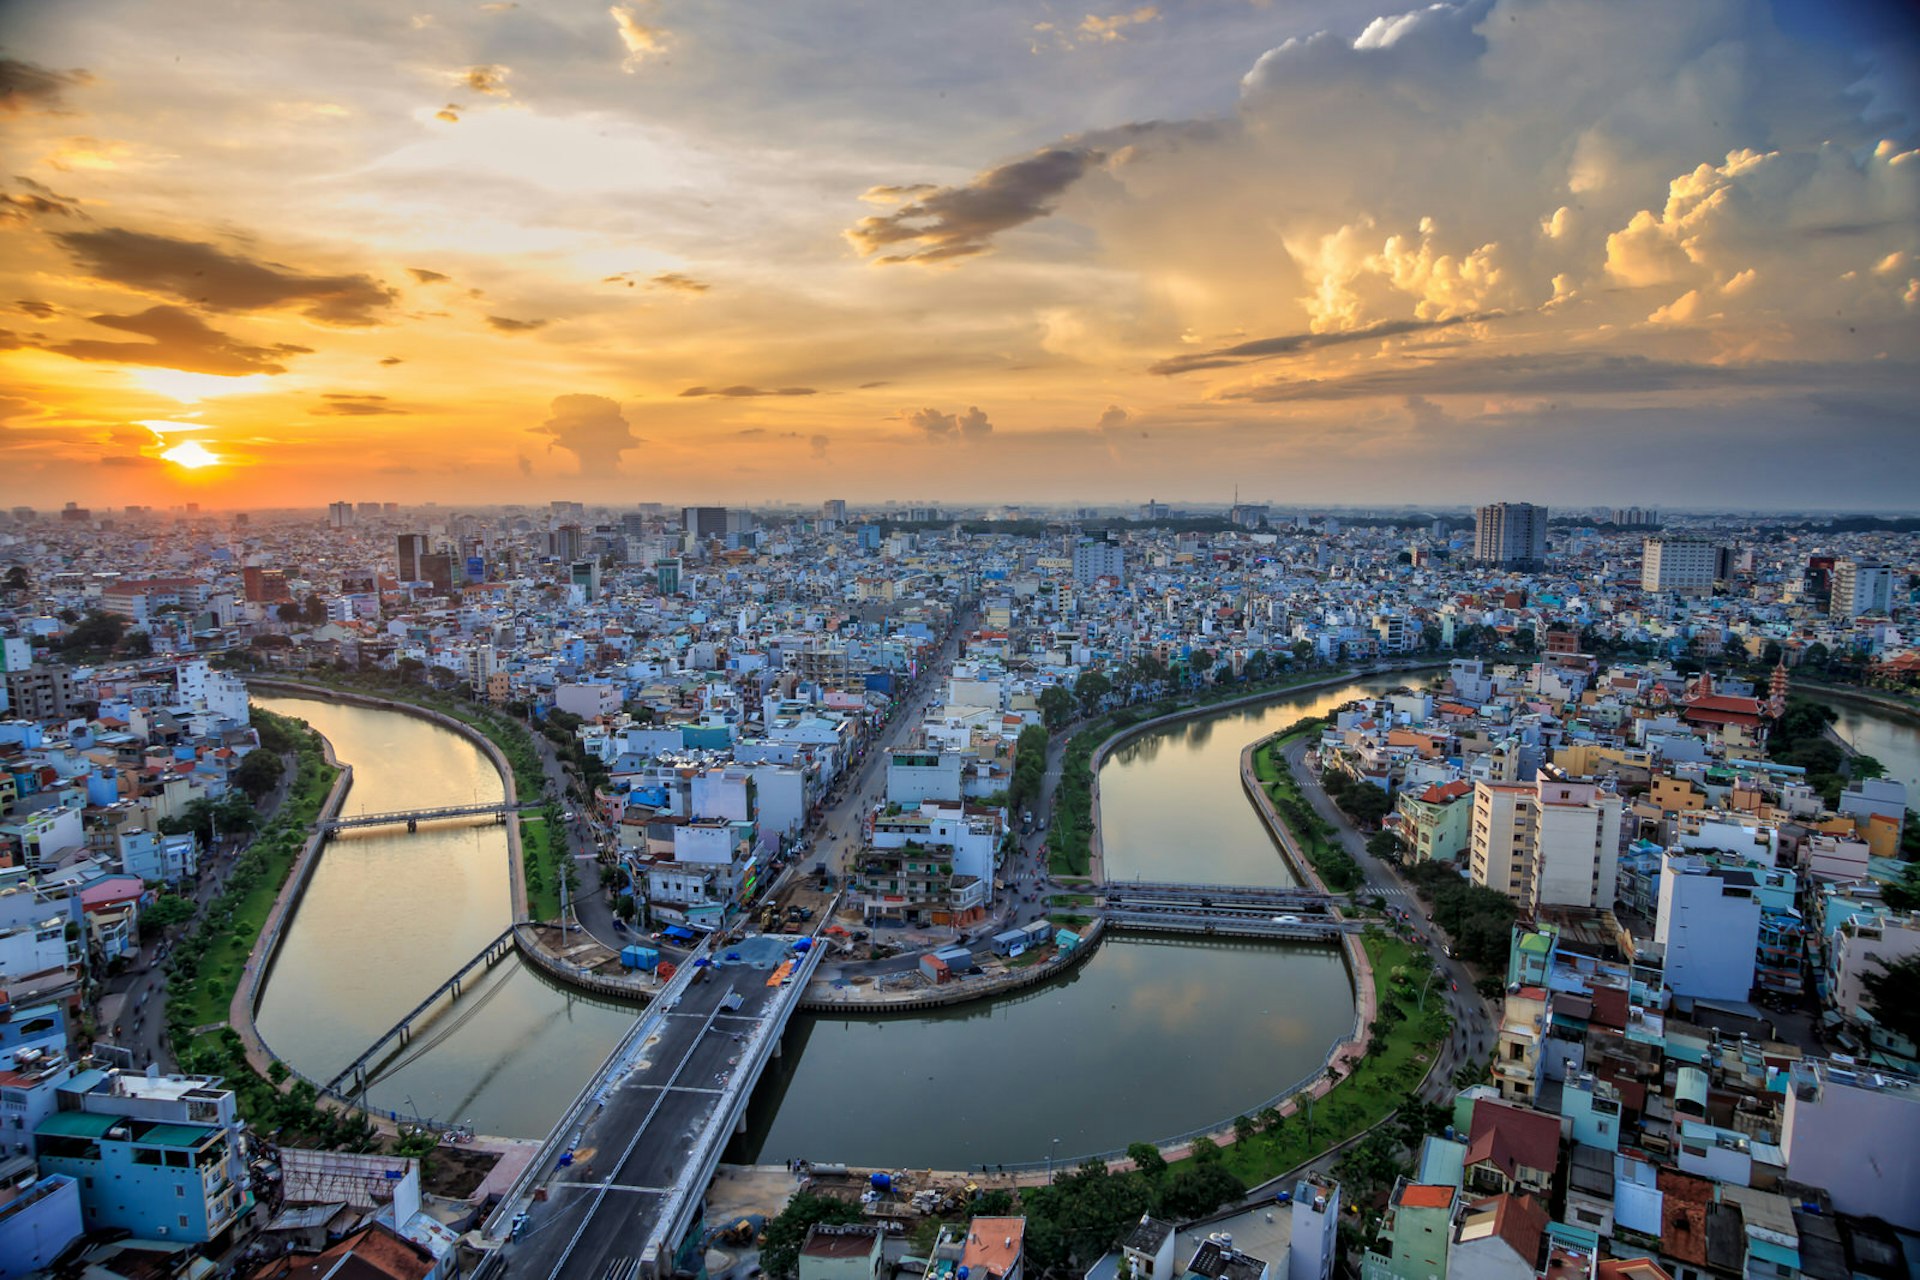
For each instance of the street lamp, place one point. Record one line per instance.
(1050, 1150)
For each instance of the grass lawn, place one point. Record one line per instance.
(1376, 1088)
(1316, 837)
(538, 856)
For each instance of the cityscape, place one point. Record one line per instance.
(1225, 642)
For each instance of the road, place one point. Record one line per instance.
(1473, 1018)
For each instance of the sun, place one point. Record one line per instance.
(192, 455)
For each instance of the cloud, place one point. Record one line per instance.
(348, 404)
(592, 429)
(26, 87)
(640, 40)
(525, 464)
(391, 360)
(212, 277)
(507, 324)
(449, 113)
(425, 276)
(742, 391)
(971, 426)
(1112, 418)
(489, 79)
(180, 340)
(680, 282)
(819, 445)
(1296, 343)
(1095, 29)
(869, 386)
(1575, 374)
(36, 308)
(894, 195)
(956, 222)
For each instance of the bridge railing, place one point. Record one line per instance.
(591, 1094)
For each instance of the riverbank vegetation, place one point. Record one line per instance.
(540, 859)
(1478, 920)
(1315, 836)
(210, 958)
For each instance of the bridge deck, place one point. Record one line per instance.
(350, 821)
(639, 1155)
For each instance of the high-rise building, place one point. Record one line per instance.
(1550, 842)
(1095, 559)
(1860, 588)
(1676, 563)
(834, 509)
(566, 543)
(667, 571)
(704, 522)
(1513, 534)
(1636, 517)
(412, 547)
(585, 574)
(340, 515)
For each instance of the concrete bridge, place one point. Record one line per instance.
(497, 810)
(356, 1075)
(1248, 896)
(620, 1182)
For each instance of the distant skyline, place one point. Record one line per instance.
(1574, 252)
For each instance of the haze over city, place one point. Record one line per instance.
(1327, 251)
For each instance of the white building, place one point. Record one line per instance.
(1550, 842)
(1840, 1123)
(1685, 565)
(1709, 925)
(1096, 559)
(1860, 588)
(913, 776)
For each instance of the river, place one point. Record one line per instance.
(1894, 742)
(389, 915)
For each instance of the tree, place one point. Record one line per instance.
(1197, 1191)
(288, 611)
(1147, 1159)
(96, 631)
(259, 773)
(1302, 651)
(1385, 846)
(168, 910)
(780, 1254)
(315, 610)
(17, 579)
(1089, 689)
(1893, 995)
(138, 644)
(1903, 894)
(1204, 1150)
(1366, 804)
(1056, 707)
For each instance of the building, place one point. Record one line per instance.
(1435, 822)
(835, 510)
(914, 776)
(1417, 1231)
(340, 515)
(1510, 534)
(1860, 588)
(1684, 565)
(1316, 1228)
(37, 1222)
(1550, 842)
(1094, 559)
(41, 693)
(842, 1251)
(1840, 1122)
(1708, 927)
(666, 574)
(704, 522)
(412, 549)
(154, 1155)
(585, 575)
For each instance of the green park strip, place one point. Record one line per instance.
(538, 856)
(1317, 838)
(1404, 1042)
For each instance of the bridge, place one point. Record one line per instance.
(356, 1075)
(1223, 910)
(620, 1182)
(1249, 896)
(498, 810)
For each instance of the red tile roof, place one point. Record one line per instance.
(1509, 1137)
(1417, 1195)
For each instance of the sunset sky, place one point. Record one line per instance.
(268, 253)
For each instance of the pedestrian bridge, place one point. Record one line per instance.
(412, 818)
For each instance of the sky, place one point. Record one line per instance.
(1581, 252)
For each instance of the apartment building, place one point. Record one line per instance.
(1550, 842)
(1684, 565)
(1511, 534)
(1860, 588)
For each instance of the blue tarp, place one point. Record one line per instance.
(677, 933)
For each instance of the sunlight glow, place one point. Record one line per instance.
(192, 455)
(191, 388)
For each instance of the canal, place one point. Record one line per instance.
(389, 915)
(1894, 742)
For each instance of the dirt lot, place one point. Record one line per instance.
(454, 1172)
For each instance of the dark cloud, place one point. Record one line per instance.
(955, 222)
(26, 87)
(1577, 374)
(592, 429)
(507, 324)
(819, 445)
(741, 391)
(680, 282)
(1112, 418)
(425, 276)
(1295, 343)
(869, 386)
(391, 360)
(19, 208)
(36, 308)
(180, 340)
(212, 277)
(347, 404)
(526, 464)
(935, 425)
(11, 341)
(128, 460)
